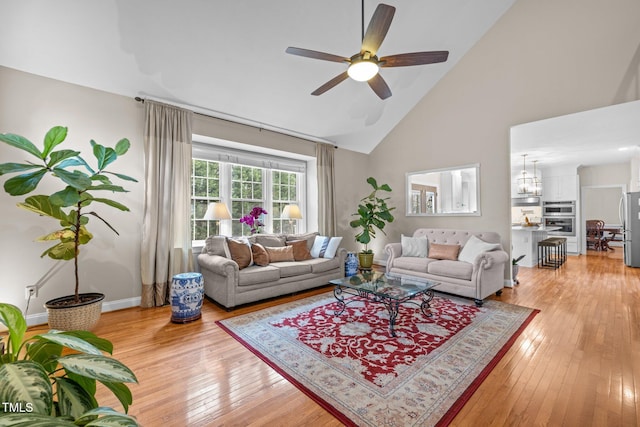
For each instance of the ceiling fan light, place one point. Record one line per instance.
(362, 71)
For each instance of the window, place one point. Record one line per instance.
(243, 180)
(205, 189)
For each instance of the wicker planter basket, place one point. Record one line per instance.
(81, 316)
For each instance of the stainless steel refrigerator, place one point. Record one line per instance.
(630, 218)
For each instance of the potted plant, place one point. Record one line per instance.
(373, 213)
(68, 206)
(515, 268)
(41, 386)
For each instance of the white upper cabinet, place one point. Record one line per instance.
(560, 187)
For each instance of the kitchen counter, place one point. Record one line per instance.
(524, 241)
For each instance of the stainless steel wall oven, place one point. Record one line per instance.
(566, 208)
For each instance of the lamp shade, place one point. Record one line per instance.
(291, 212)
(217, 210)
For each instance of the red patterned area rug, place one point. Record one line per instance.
(354, 368)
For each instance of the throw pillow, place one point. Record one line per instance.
(240, 252)
(279, 254)
(474, 247)
(300, 250)
(260, 255)
(325, 247)
(414, 246)
(450, 252)
(308, 237)
(271, 240)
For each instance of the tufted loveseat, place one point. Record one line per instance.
(477, 278)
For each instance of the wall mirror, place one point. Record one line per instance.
(444, 192)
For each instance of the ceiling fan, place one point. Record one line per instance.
(364, 66)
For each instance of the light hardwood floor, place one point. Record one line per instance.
(576, 364)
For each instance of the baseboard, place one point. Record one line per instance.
(42, 318)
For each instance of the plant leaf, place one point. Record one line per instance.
(64, 198)
(124, 177)
(55, 136)
(22, 143)
(25, 183)
(45, 353)
(122, 392)
(110, 416)
(371, 180)
(26, 419)
(100, 343)
(59, 156)
(101, 368)
(26, 381)
(41, 205)
(111, 187)
(73, 400)
(12, 318)
(112, 203)
(122, 146)
(76, 179)
(16, 167)
(71, 342)
(62, 251)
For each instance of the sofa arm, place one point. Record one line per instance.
(218, 264)
(342, 256)
(393, 251)
(487, 260)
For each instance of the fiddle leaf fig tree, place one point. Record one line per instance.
(373, 213)
(72, 206)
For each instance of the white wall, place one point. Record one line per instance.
(543, 58)
(30, 106)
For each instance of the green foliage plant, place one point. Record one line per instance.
(373, 213)
(41, 386)
(67, 205)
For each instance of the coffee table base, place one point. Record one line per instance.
(391, 304)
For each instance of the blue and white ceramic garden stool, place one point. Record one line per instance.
(187, 293)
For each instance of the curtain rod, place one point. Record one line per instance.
(239, 120)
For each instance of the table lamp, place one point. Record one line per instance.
(291, 212)
(217, 211)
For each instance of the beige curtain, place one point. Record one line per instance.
(166, 240)
(326, 190)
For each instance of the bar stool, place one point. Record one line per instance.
(551, 252)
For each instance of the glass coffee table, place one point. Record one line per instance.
(389, 290)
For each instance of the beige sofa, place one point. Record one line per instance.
(478, 277)
(230, 286)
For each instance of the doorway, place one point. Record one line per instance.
(601, 202)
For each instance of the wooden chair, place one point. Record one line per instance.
(595, 234)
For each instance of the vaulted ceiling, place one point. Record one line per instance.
(227, 58)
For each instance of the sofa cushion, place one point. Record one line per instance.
(475, 247)
(279, 254)
(217, 245)
(271, 240)
(240, 252)
(320, 265)
(449, 252)
(307, 237)
(300, 250)
(288, 269)
(256, 274)
(414, 246)
(325, 246)
(412, 263)
(447, 268)
(260, 255)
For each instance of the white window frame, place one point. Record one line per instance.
(228, 156)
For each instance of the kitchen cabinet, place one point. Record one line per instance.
(560, 187)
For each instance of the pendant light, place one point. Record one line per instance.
(524, 182)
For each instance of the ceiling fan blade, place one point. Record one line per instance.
(316, 55)
(379, 86)
(378, 27)
(415, 58)
(330, 84)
